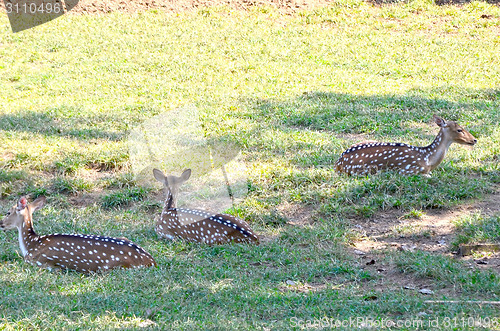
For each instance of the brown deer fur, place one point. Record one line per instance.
(371, 157)
(197, 225)
(83, 253)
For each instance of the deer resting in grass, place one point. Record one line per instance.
(197, 225)
(371, 157)
(83, 253)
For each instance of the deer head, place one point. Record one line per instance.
(172, 183)
(455, 132)
(20, 212)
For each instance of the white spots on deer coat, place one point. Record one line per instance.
(196, 225)
(68, 251)
(358, 158)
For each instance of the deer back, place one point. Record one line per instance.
(88, 253)
(203, 227)
(371, 157)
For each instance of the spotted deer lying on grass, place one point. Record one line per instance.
(197, 225)
(371, 157)
(83, 253)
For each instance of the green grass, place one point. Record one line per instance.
(69, 186)
(294, 92)
(123, 197)
(414, 213)
(445, 271)
(477, 228)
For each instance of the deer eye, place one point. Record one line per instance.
(459, 130)
(8, 213)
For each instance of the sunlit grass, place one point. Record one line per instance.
(477, 228)
(293, 91)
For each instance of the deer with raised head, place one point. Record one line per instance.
(371, 157)
(83, 253)
(197, 225)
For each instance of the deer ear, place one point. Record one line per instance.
(186, 174)
(159, 175)
(22, 203)
(439, 121)
(38, 203)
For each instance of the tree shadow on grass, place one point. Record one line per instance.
(47, 125)
(379, 115)
(403, 118)
(346, 119)
(220, 279)
(209, 286)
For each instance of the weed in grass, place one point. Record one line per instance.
(18, 160)
(273, 218)
(6, 189)
(120, 180)
(151, 206)
(108, 160)
(414, 213)
(7, 176)
(35, 191)
(364, 210)
(68, 165)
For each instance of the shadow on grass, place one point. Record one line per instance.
(384, 116)
(328, 117)
(213, 290)
(402, 118)
(224, 278)
(45, 124)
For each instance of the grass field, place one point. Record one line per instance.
(293, 91)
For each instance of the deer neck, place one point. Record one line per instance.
(28, 239)
(170, 202)
(435, 152)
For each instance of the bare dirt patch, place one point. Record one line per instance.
(84, 200)
(296, 215)
(389, 277)
(434, 233)
(177, 6)
(106, 6)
